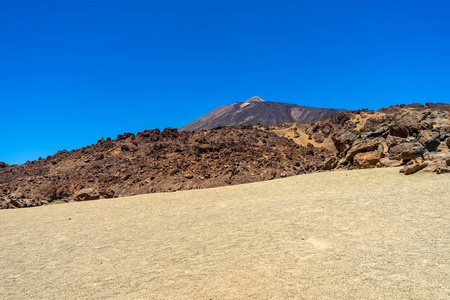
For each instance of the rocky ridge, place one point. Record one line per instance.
(156, 161)
(414, 136)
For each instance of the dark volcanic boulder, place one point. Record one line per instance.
(391, 141)
(396, 130)
(406, 151)
(430, 139)
(342, 142)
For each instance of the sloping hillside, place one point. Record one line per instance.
(155, 161)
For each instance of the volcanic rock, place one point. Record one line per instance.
(329, 163)
(392, 141)
(387, 162)
(429, 139)
(441, 156)
(398, 131)
(406, 151)
(404, 134)
(342, 141)
(360, 146)
(367, 159)
(414, 166)
(87, 194)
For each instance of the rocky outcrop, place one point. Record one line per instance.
(157, 161)
(406, 150)
(87, 194)
(418, 139)
(18, 200)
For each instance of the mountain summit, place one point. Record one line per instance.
(255, 99)
(256, 110)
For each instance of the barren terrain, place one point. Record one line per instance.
(362, 234)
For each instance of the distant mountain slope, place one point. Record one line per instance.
(256, 110)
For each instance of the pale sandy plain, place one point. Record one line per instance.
(364, 234)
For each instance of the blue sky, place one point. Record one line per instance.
(72, 72)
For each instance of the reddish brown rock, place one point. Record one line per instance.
(387, 162)
(367, 159)
(392, 141)
(414, 167)
(329, 163)
(361, 146)
(396, 130)
(342, 141)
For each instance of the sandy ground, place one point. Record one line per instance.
(365, 234)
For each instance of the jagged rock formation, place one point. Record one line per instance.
(155, 161)
(256, 110)
(414, 136)
(320, 133)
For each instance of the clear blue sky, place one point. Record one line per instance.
(72, 72)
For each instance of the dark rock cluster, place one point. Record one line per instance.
(418, 139)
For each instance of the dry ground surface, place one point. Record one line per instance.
(363, 234)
